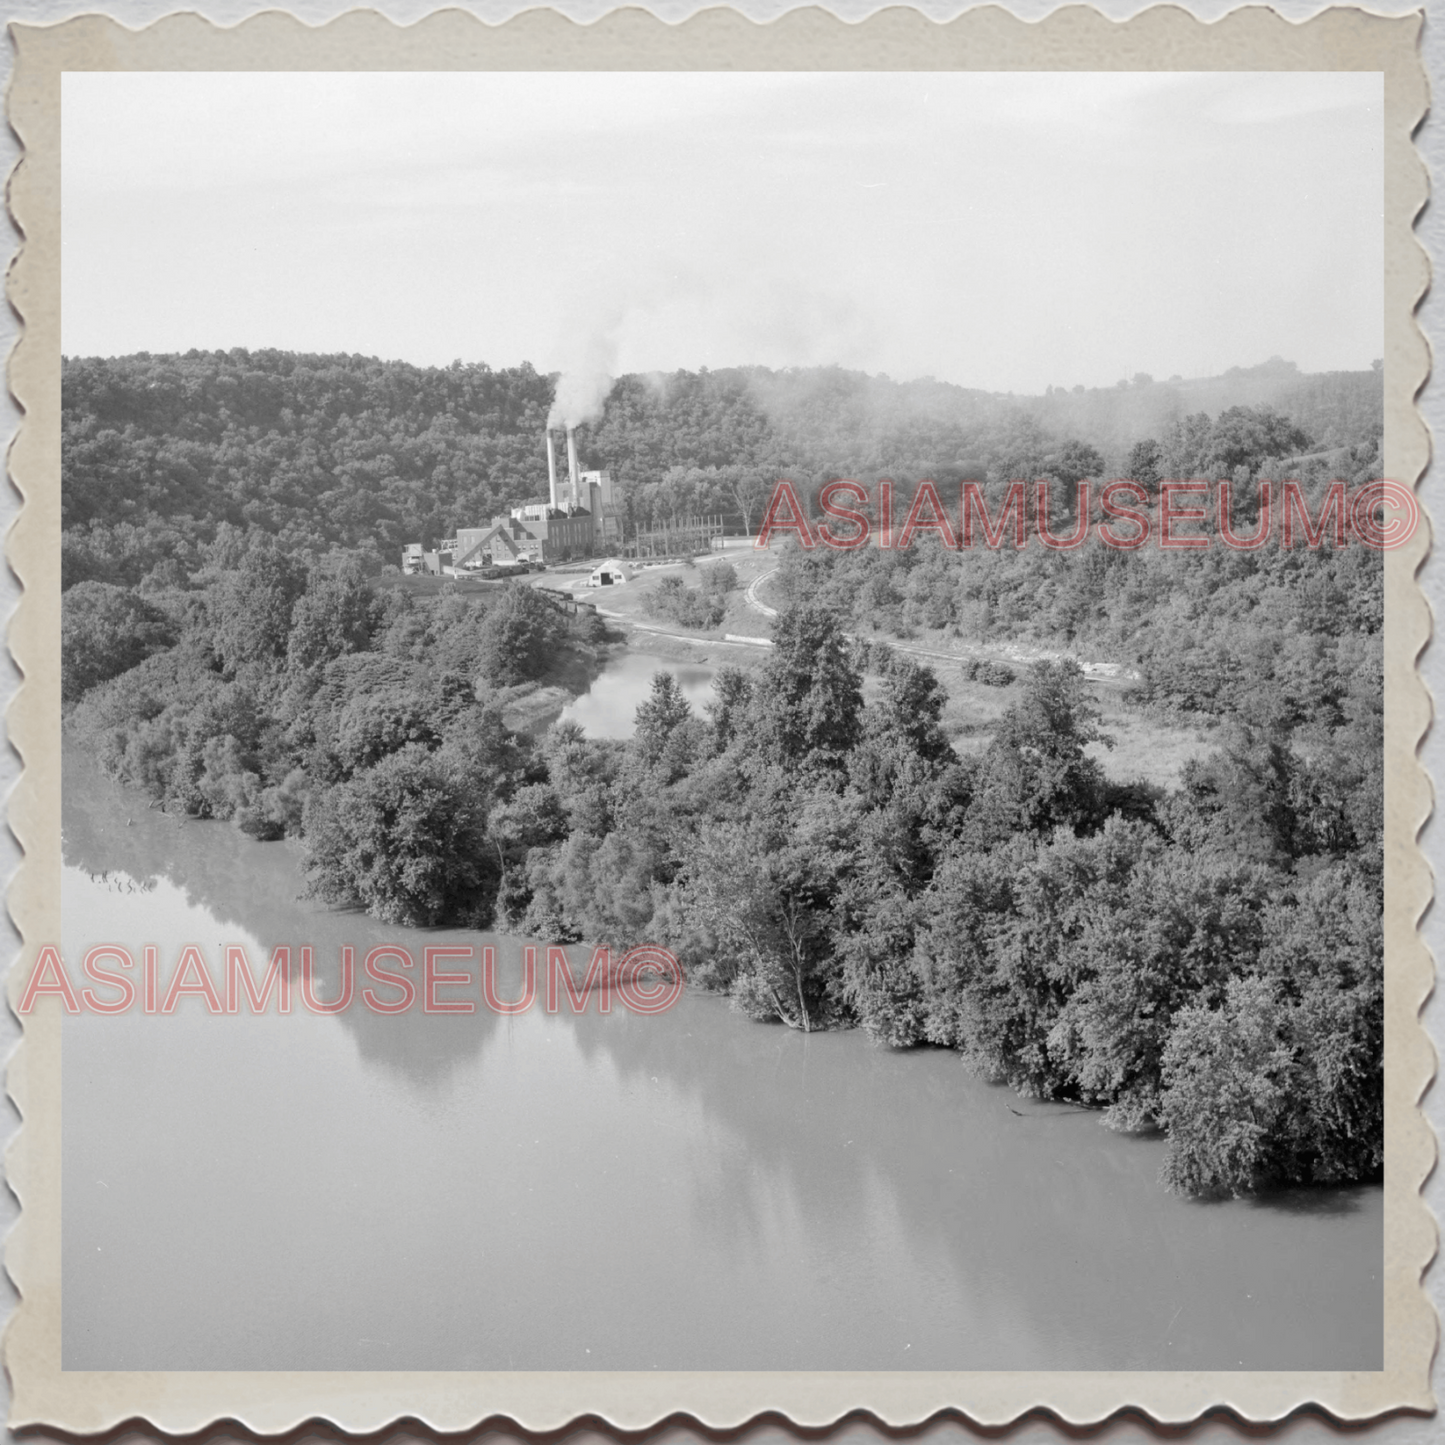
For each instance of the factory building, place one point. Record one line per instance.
(578, 517)
(579, 491)
(552, 536)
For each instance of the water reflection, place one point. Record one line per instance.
(686, 1191)
(1049, 1236)
(609, 707)
(255, 890)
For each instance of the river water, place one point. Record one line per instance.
(609, 707)
(550, 1191)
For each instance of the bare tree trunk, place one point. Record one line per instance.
(746, 510)
(790, 924)
(778, 1005)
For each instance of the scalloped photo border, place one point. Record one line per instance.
(1076, 38)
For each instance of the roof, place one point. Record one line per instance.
(483, 541)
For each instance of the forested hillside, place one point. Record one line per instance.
(324, 452)
(1207, 960)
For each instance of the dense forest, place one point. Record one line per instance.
(1205, 960)
(325, 452)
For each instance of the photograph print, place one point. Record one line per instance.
(722, 721)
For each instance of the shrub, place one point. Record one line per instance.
(719, 578)
(406, 840)
(675, 601)
(988, 672)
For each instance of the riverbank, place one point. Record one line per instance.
(839, 1206)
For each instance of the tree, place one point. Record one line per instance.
(374, 725)
(405, 840)
(1075, 462)
(911, 708)
(1283, 1082)
(1036, 774)
(252, 606)
(728, 711)
(809, 698)
(901, 759)
(105, 631)
(750, 490)
(665, 710)
(1244, 436)
(1228, 1074)
(765, 887)
(335, 615)
(1146, 929)
(1146, 465)
(1241, 798)
(516, 636)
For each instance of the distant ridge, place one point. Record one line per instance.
(335, 451)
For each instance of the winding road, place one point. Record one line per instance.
(752, 594)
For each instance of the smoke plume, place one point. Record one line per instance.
(583, 386)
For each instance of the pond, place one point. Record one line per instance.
(608, 708)
(681, 1191)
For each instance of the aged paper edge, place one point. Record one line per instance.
(1254, 38)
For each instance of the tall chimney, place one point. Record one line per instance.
(551, 469)
(572, 467)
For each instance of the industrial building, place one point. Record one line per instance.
(578, 517)
(589, 492)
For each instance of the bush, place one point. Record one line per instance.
(588, 627)
(673, 600)
(719, 578)
(406, 840)
(988, 672)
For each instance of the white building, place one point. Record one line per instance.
(609, 574)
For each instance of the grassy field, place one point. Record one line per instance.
(1144, 748)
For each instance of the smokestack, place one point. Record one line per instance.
(551, 469)
(572, 467)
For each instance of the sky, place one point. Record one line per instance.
(1002, 231)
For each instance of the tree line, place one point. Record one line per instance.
(1205, 960)
(353, 453)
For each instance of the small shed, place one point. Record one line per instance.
(608, 574)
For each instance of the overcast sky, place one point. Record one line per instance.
(1000, 231)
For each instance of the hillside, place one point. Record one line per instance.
(328, 452)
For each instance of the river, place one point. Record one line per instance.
(608, 708)
(548, 1191)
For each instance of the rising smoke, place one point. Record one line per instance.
(585, 381)
(777, 321)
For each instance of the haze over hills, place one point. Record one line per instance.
(354, 452)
